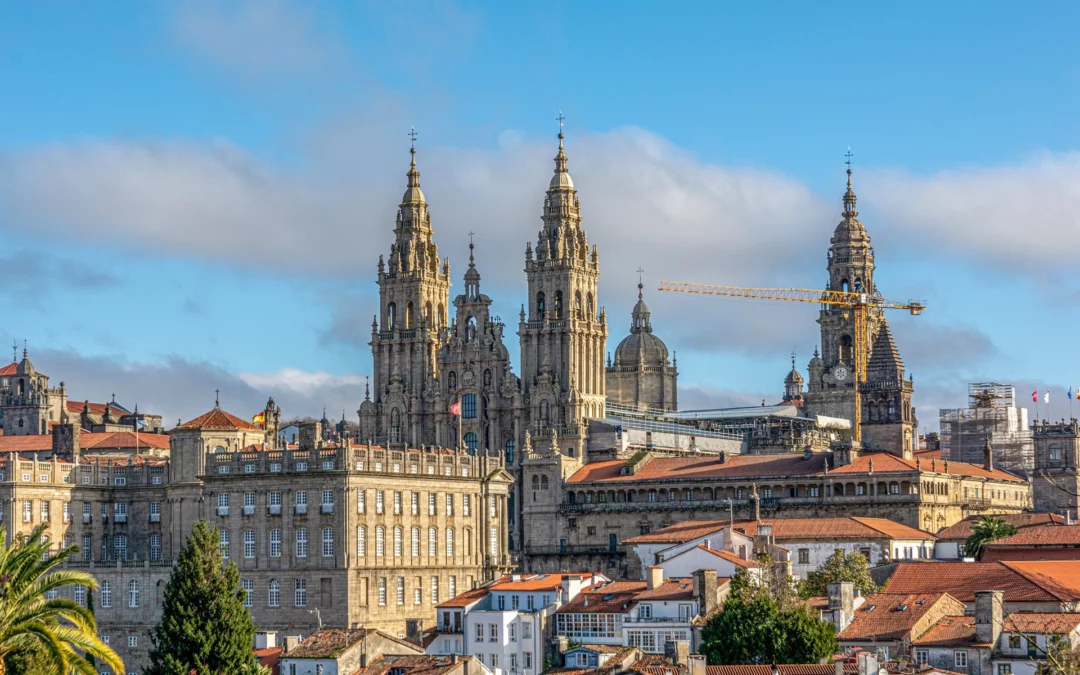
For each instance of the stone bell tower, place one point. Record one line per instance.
(563, 333)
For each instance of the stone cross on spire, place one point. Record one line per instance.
(640, 285)
(849, 196)
(217, 398)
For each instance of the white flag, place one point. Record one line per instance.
(1046, 397)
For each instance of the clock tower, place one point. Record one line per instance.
(850, 264)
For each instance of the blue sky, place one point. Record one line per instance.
(194, 195)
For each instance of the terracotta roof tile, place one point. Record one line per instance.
(536, 582)
(671, 589)
(9, 370)
(328, 643)
(698, 468)
(785, 669)
(605, 598)
(881, 616)
(218, 419)
(725, 555)
(678, 533)
(788, 528)
(888, 463)
(949, 630)
(465, 599)
(96, 408)
(1042, 535)
(1021, 581)
(418, 664)
(963, 529)
(1045, 622)
(123, 439)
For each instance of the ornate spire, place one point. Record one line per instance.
(849, 196)
(640, 316)
(561, 179)
(413, 194)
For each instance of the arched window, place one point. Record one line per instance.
(468, 407)
(409, 315)
(451, 381)
(470, 442)
(858, 285)
(543, 482)
(844, 286)
(510, 452)
(536, 482)
(540, 308)
(558, 305)
(577, 305)
(391, 316)
(845, 347)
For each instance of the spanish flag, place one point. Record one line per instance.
(259, 419)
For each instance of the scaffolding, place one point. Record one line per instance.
(991, 416)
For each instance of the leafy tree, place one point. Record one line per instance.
(761, 623)
(987, 530)
(55, 634)
(839, 567)
(204, 627)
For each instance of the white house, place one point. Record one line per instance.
(505, 625)
(705, 557)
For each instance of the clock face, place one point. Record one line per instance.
(840, 373)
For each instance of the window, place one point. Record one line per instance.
(418, 592)
(133, 641)
(397, 503)
(479, 632)
(301, 593)
(249, 592)
(379, 541)
(526, 656)
(223, 543)
(106, 594)
(510, 452)
(301, 543)
(249, 499)
(468, 406)
(526, 634)
(86, 547)
(493, 630)
(449, 504)
(155, 546)
(301, 498)
(401, 590)
(431, 504)
(513, 632)
(416, 503)
(645, 611)
(492, 505)
(453, 587)
(361, 501)
(432, 542)
(1004, 669)
(1055, 453)
(361, 541)
(397, 542)
(28, 511)
(121, 546)
(494, 541)
(416, 542)
(328, 542)
(67, 512)
(80, 595)
(815, 491)
(273, 594)
(922, 656)
(1014, 641)
(155, 511)
(378, 501)
(249, 544)
(382, 591)
(466, 504)
(275, 543)
(328, 501)
(804, 556)
(133, 593)
(275, 499)
(449, 542)
(960, 659)
(434, 590)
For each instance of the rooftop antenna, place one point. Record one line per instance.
(317, 616)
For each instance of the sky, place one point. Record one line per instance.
(194, 195)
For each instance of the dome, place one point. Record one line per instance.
(850, 228)
(561, 180)
(413, 194)
(641, 348)
(793, 377)
(25, 367)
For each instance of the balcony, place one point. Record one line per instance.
(223, 511)
(120, 518)
(327, 508)
(86, 518)
(249, 510)
(155, 517)
(301, 509)
(273, 509)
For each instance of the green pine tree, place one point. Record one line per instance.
(839, 566)
(205, 628)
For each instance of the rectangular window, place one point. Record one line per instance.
(397, 542)
(67, 512)
(434, 590)
(379, 541)
(922, 656)
(328, 501)
(328, 542)
(273, 594)
(249, 544)
(397, 503)
(382, 591)
(418, 592)
(155, 510)
(301, 592)
(526, 632)
(249, 499)
(301, 498)
(28, 511)
(361, 501)
(494, 541)
(468, 406)
(492, 507)
(401, 590)
(301, 543)
(86, 548)
(106, 594)
(275, 499)
(155, 547)
(249, 592)
(1004, 669)
(479, 632)
(449, 542)
(133, 594)
(466, 502)
(453, 587)
(960, 659)
(361, 541)
(275, 543)
(416, 542)
(493, 630)
(416, 503)
(432, 542)
(804, 556)
(379, 501)
(223, 543)
(431, 504)
(120, 542)
(80, 595)
(815, 491)
(45, 511)
(513, 632)
(526, 657)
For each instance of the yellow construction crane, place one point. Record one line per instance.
(860, 304)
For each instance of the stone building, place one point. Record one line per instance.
(642, 377)
(368, 536)
(1056, 479)
(28, 405)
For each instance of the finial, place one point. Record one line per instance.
(25, 350)
(640, 285)
(217, 398)
(793, 360)
(14, 351)
(560, 119)
(414, 175)
(849, 196)
(367, 388)
(471, 248)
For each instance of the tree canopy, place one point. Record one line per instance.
(205, 628)
(763, 622)
(839, 567)
(56, 634)
(986, 530)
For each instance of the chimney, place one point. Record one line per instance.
(705, 590)
(414, 631)
(655, 576)
(722, 457)
(697, 664)
(291, 642)
(867, 664)
(842, 603)
(677, 652)
(989, 616)
(266, 639)
(988, 456)
(838, 667)
(310, 435)
(66, 441)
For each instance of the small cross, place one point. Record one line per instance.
(470, 238)
(848, 156)
(14, 351)
(412, 135)
(639, 273)
(560, 119)
(217, 398)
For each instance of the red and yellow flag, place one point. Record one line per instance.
(259, 419)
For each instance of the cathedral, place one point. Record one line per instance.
(887, 417)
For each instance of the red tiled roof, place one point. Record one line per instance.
(327, 643)
(123, 439)
(888, 463)
(535, 582)
(834, 528)
(880, 616)
(465, 599)
(678, 533)
(1042, 535)
(1035, 622)
(927, 455)
(949, 630)
(9, 369)
(605, 598)
(1021, 581)
(1021, 554)
(218, 419)
(699, 468)
(95, 408)
(269, 657)
(724, 555)
(418, 664)
(963, 529)
(785, 669)
(671, 589)
(34, 443)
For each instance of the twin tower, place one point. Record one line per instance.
(426, 360)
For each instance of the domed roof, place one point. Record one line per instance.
(641, 347)
(850, 227)
(413, 194)
(561, 180)
(794, 377)
(26, 367)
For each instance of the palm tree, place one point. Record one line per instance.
(56, 629)
(988, 529)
